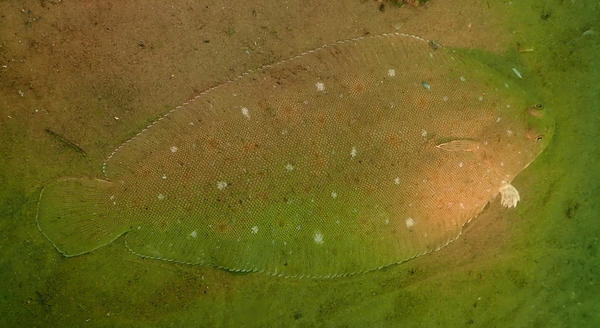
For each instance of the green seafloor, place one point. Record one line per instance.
(537, 266)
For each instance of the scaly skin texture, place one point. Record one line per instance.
(325, 164)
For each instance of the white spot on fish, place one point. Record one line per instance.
(445, 98)
(462, 78)
(174, 149)
(160, 196)
(334, 194)
(194, 234)
(509, 133)
(480, 98)
(254, 229)
(320, 86)
(289, 167)
(426, 85)
(397, 180)
(353, 152)
(245, 112)
(410, 222)
(164, 177)
(461, 164)
(318, 238)
(423, 133)
(391, 72)
(498, 119)
(517, 73)
(222, 185)
(387, 221)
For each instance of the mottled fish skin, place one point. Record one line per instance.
(322, 165)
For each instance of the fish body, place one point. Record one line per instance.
(340, 160)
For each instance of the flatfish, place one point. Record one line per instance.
(343, 159)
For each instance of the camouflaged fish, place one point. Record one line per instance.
(340, 160)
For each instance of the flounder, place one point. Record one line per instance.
(343, 159)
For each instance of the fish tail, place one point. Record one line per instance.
(77, 215)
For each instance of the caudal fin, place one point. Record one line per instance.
(78, 216)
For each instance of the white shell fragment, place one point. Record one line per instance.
(509, 196)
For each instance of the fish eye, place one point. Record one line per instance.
(539, 138)
(536, 110)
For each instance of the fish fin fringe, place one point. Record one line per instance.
(74, 214)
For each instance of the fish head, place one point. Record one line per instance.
(541, 125)
(516, 137)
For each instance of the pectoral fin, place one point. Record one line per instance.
(458, 145)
